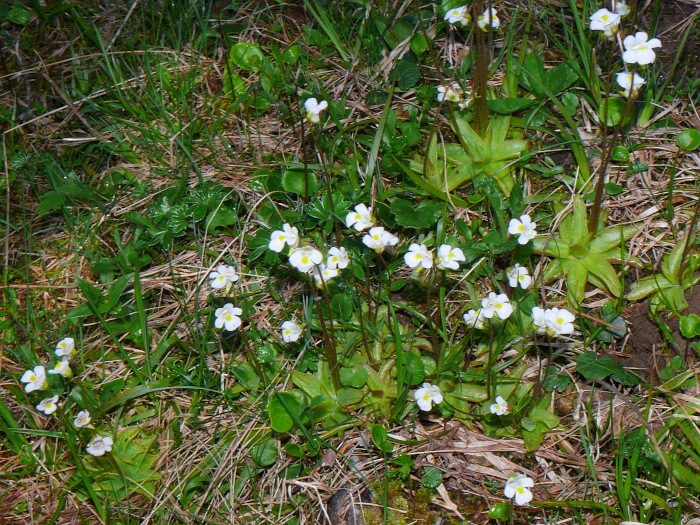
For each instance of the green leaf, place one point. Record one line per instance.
(558, 382)
(506, 106)
(558, 78)
(690, 325)
(415, 369)
(223, 216)
(592, 367)
(688, 139)
(280, 407)
(50, 201)
(612, 111)
(533, 75)
(425, 215)
(419, 44)
(380, 438)
(343, 306)
(246, 56)
(432, 477)
(349, 396)
(406, 74)
(19, 15)
(356, 378)
(300, 182)
(265, 452)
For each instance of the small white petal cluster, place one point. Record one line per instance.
(224, 276)
(605, 21)
(48, 406)
(500, 407)
(378, 239)
(519, 276)
(35, 379)
(553, 321)
(313, 110)
(419, 256)
(449, 257)
(452, 93)
(291, 332)
(490, 16)
(337, 258)
(100, 445)
(524, 228)
(639, 49)
(228, 317)
(630, 83)
(82, 419)
(288, 236)
(475, 319)
(519, 486)
(305, 258)
(458, 15)
(620, 8)
(322, 274)
(360, 219)
(496, 304)
(66, 348)
(62, 368)
(427, 395)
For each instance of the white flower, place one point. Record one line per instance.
(63, 368)
(228, 317)
(99, 446)
(427, 395)
(621, 8)
(500, 407)
(313, 110)
(66, 347)
(640, 50)
(361, 218)
(554, 321)
(458, 15)
(491, 16)
(290, 331)
(289, 236)
(337, 258)
(519, 486)
(305, 258)
(82, 419)
(474, 318)
(419, 255)
(524, 228)
(605, 21)
(224, 276)
(519, 275)
(35, 379)
(48, 406)
(631, 84)
(539, 319)
(448, 258)
(496, 304)
(561, 321)
(453, 93)
(378, 239)
(322, 274)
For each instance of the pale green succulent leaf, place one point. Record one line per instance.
(551, 247)
(553, 271)
(611, 237)
(576, 279)
(647, 286)
(605, 272)
(671, 263)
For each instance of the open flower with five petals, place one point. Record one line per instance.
(418, 256)
(62, 368)
(35, 379)
(489, 18)
(475, 319)
(66, 347)
(337, 258)
(631, 83)
(500, 407)
(305, 258)
(228, 317)
(639, 49)
(291, 332)
(48, 406)
(448, 257)
(519, 276)
(458, 16)
(427, 395)
(223, 277)
(378, 239)
(496, 304)
(519, 486)
(82, 419)
(524, 228)
(100, 445)
(323, 274)
(288, 236)
(360, 219)
(605, 21)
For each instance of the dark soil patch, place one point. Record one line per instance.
(647, 348)
(673, 20)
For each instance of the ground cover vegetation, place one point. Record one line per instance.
(353, 262)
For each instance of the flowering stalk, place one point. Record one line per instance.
(481, 73)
